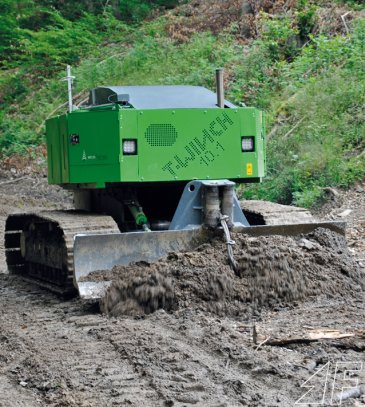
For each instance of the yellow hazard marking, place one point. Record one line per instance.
(249, 170)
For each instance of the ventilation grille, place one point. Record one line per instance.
(161, 135)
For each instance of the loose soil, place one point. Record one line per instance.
(56, 352)
(272, 272)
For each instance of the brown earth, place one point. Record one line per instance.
(65, 353)
(273, 271)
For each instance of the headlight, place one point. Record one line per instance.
(248, 144)
(130, 147)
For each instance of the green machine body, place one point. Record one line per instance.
(154, 134)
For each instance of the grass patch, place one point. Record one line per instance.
(313, 95)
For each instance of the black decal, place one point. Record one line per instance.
(202, 144)
(209, 156)
(226, 119)
(219, 145)
(185, 162)
(168, 167)
(199, 145)
(202, 160)
(194, 147)
(213, 130)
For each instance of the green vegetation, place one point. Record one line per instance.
(44, 33)
(317, 121)
(37, 40)
(310, 84)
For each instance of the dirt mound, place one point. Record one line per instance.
(273, 271)
(144, 293)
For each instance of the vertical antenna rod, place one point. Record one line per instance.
(69, 79)
(219, 75)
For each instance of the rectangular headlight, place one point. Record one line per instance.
(248, 144)
(129, 147)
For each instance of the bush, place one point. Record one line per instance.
(322, 137)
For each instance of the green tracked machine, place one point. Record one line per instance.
(152, 170)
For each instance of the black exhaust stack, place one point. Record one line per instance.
(219, 75)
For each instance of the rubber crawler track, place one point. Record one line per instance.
(64, 224)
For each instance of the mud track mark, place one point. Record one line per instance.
(51, 350)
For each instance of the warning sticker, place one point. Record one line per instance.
(249, 170)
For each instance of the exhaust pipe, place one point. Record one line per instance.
(219, 75)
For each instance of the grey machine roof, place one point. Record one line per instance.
(157, 97)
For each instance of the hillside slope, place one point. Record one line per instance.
(300, 61)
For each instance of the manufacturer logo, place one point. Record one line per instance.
(90, 157)
(206, 147)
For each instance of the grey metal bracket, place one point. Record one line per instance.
(189, 212)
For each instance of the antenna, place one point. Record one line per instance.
(69, 78)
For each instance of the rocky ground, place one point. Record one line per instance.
(66, 353)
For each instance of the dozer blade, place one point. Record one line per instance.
(103, 252)
(292, 229)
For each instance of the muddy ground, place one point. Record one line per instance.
(65, 353)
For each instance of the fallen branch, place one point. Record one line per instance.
(344, 22)
(105, 6)
(111, 57)
(254, 334)
(331, 191)
(272, 131)
(262, 343)
(57, 109)
(293, 128)
(12, 181)
(82, 101)
(309, 337)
